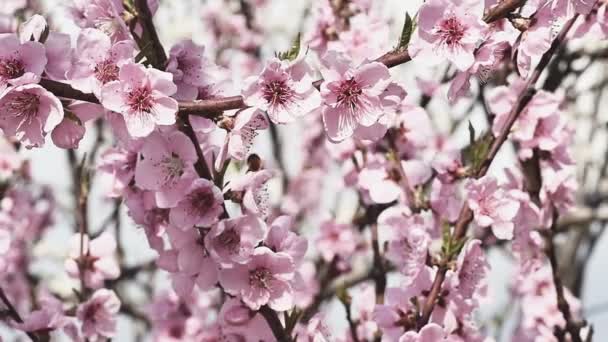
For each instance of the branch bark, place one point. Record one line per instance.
(466, 215)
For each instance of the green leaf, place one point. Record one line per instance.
(293, 51)
(475, 154)
(406, 33)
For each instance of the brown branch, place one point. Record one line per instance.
(14, 315)
(572, 327)
(502, 9)
(466, 215)
(159, 57)
(275, 324)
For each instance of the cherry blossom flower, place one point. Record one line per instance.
(142, 97)
(472, 269)
(233, 241)
(98, 314)
(194, 264)
(242, 131)
(20, 63)
(351, 94)
(429, 333)
(281, 240)
(236, 318)
(191, 69)
(104, 15)
(492, 206)
(448, 30)
(97, 259)
(252, 188)
(336, 240)
(98, 61)
(28, 113)
(262, 280)
(71, 129)
(284, 90)
(165, 165)
(410, 248)
(201, 206)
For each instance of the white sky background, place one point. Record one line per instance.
(180, 19)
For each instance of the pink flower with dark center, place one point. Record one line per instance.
(492, 206)
(142, 96)
(98, 314)
(20, 63)
(105, 15)
(98, 61)
(232, 241)
(264, 279)
(284, 89)
(166, 166)
(448, 30)
(201, 206)
(28, 113)
(351, 94)
(97, 260)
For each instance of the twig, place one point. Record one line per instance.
(275, 324)
(466, 215)
(159, 58)
(572, 327)
(14, 315)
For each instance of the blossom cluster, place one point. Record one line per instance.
(242, 264)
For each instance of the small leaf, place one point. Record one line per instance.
(406, 33)
(474, 155)
(293, 51)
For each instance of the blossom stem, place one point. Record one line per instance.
(14, 315)
(466, 215)
(572, 327)
(275, 324)
(159, 57)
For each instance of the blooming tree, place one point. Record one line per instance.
(251, 241)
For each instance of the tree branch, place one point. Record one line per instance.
(14, 315)
(466, 215)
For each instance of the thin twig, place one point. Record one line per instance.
(14, 315)
(466, 215)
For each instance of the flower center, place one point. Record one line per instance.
(451, 31)
(106, 71)
(260, 277)
(174, 167)
(11, 68)
(24, 106)
(230, 239)
(348, 93)
(277, 93)
(140, 100)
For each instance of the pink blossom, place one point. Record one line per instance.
(20, 63)
(262, 280)
(236, 318)
(429, 333)
(142, 97)
(201, 206)
(232, 241)
(71, 129)
(448, 30)
(98, 260)
(253, 190)
(119, 163)
(284, 90)
(240, 136)
(28, 113)
(351, 94)
(409, 249)
(165, 165)
(104, 15)
(190, 68)
(193, 262)
(492, 206)
(98, 314)
(336, 240)
(472, 269)
(281, 239)
(98, 61)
